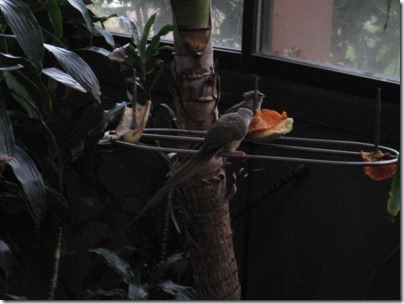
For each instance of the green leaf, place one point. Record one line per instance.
(137, 292)
(166, 47)
(7, 140)
(78, 69)
(64, 78)
(30, 83)
(182, 293)
(81, 7)
(145, 34)
(55, 18)
(394, 202)
(22, 96)
(132, 26)
(164, 30)
(120, 266)
(98, 50)
(153, 47)
(98, 31)
(25, 27)
(32, 183)
(6, 257)
(12, 68)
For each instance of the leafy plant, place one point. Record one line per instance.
(136, 289)
(139, 53)
(394, 201)
(52, 113)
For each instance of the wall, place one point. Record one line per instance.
(325, 235)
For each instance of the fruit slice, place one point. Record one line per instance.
(268, 125)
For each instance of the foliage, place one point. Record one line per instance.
(138, 290)
(368, 38)
(394, 202)
(139, 53)
(227, 17)
(52, 113)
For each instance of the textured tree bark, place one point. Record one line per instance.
(202, 197)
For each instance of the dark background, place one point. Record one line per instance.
(326, 234)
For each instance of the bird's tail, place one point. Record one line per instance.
(188, 169)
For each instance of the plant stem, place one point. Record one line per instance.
(134, 90)
(54, 280)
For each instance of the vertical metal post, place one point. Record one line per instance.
(377, 118)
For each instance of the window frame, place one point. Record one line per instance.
(307, 74)
(249, 62)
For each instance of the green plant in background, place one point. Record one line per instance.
(394, 202)
(52, 113)
(368, 39)
(137, 290)
(139, 53)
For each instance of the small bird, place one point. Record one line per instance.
(252, 101)
(225, 135)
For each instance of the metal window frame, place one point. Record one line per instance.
(249, 62)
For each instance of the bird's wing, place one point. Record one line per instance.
(225, 131)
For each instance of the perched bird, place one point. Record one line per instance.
(225, 135)
(252, 101)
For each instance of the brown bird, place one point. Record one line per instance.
(225, 135)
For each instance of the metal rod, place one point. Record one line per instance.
(266, 157)
(316, 150)
(377, 119)
(171, 130)
(173, 137)
(256, 86)
(284, 138)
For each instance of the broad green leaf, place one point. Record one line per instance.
(394, 202)
(15, 297)
(133, 58)
(137, 292)
(132, 26)
(182, 293)
(12, 68)
(78, 69)
(164, 30)
(99, 50)
(64, 78)
(166, 47)
(31, 83)
(8, 36)
(153, 48)
(107, 117)
(120, 266)
(7, 140)
(32, 183)
(55, 18)
(6, 257)
(55, 40)
(9, 56)
(145, 34)
(21, 95)
(25, 27)
(81, 7)
(98, 31)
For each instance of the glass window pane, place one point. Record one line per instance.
(226, 17)
(355, 36)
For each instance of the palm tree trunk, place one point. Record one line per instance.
(203, 197)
